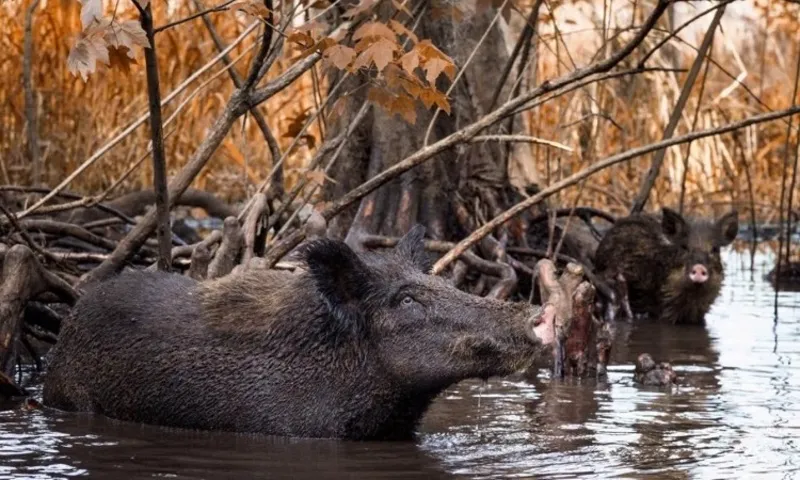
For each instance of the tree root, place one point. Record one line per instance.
(23, 279)
(255, 228)
(583, 343)
(502, 290)
(228, 252)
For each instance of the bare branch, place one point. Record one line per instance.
(63, 229)
(674, 33)
(677, 111)
(261, 95)
(255, 73)
(203, 13)
(274, 148)
(521, 138)
(163, 231)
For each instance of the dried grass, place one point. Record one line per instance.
(76, 117)
(599, 120)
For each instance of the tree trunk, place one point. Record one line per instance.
(439, 193)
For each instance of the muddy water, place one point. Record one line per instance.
(735, 414)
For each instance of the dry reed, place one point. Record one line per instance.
(744, 78)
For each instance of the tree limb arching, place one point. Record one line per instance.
(487, 228)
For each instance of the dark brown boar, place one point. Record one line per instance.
(672, 267)
(357, 347)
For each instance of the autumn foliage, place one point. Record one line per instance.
(89, 84)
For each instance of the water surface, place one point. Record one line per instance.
(734, 414)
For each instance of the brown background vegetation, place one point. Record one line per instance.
(749, 74)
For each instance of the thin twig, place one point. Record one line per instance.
(588, 81)
(25, 235)
(218, 8)
(521, 138)
(674, 32)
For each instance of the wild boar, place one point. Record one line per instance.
(672, 267)
(356, 347)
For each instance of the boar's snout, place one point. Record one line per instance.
(698, 273)
(542, 326)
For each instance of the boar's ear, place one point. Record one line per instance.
(728, 228)
(673, 224)
(412, 247)
(340, 277)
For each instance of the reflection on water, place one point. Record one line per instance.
(735, 413)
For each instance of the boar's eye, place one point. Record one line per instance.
(406, 301)
(715, 250)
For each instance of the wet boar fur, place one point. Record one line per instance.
(355, 348)
(655, 257)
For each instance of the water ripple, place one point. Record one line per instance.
(735, 413)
